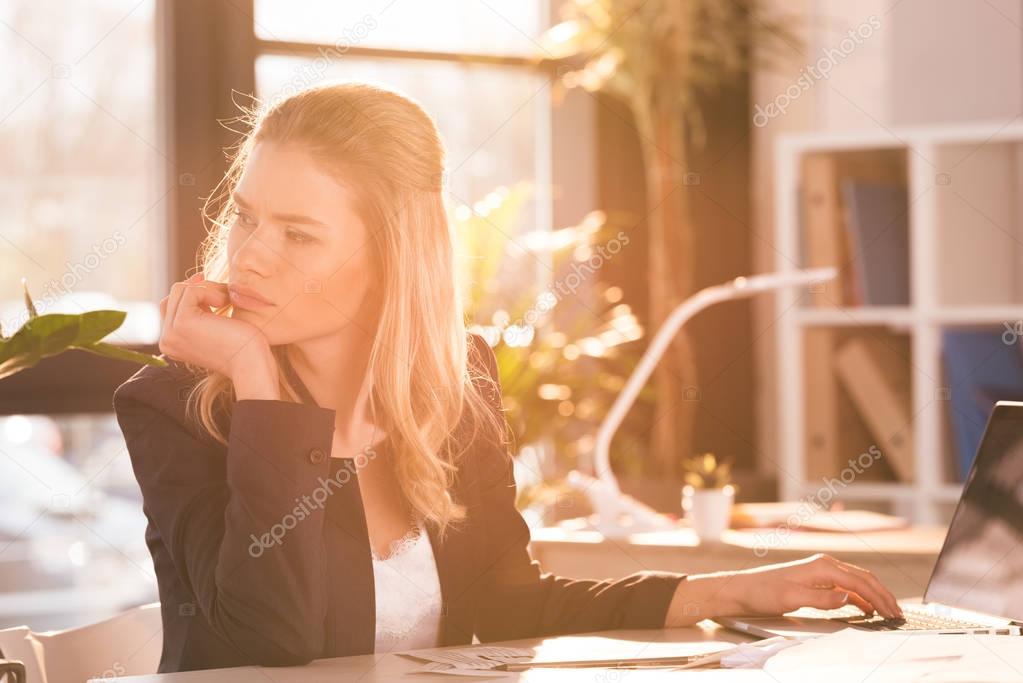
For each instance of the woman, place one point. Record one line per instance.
(324, 463)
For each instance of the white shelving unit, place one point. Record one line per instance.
(965, 268)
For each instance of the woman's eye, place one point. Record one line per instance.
(296, 236)
(244, 218)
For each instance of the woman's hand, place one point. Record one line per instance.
(818, 581)
(193, 334)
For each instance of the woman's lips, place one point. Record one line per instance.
(244, 298)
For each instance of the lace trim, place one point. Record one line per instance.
(399, 545)
(397, 634)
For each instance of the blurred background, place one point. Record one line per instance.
(606, 159)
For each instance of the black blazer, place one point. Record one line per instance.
(232, 594)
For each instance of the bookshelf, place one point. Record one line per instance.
(964, 263)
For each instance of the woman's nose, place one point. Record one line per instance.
(255, 254)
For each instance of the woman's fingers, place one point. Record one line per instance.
(167, 309)
(190, 294)
(205, 296)
(177, 289)
(866, 607)
(169, 304)
(889, 598)
(862, 582)
(821, 598)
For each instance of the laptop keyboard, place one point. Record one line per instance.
(913, 621)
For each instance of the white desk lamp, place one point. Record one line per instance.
(609, 503)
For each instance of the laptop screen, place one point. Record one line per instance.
(981, 563)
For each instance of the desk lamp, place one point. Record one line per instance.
(608, 501)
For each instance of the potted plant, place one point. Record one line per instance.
(55, 333)
(707, 495)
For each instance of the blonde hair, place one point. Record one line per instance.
(389, 147)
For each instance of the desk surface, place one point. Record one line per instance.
(924, 541)
(902, 558)
(388, 667)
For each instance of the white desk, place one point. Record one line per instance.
(387, 667)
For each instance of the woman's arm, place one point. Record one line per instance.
(243, 542)
(513, 598)
(819, 581)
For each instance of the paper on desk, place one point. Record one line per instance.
(856, 656)
(454, 670)
(477, 659)
(754, 655)
(596, 675)
(591, 674)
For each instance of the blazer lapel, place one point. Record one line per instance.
(454, 561)
(349, 562)
(352, 628)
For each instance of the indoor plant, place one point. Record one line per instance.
(707, 495)
(664, 59)
(53, 333)
(561, 360)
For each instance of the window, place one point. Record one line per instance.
(80, 177)
(456, 26)
(82, 220)
(472, 65)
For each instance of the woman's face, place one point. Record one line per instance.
(297, 242)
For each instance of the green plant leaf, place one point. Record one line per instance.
(118, 353)
(29, 304)
(95, 325)
(47, 335)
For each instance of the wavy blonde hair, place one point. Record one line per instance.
(389, 147)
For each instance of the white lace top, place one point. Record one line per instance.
(408, 597)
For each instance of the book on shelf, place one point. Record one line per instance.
(821, 406)
(981, 369)
(835, 430)
(854, 215)
(875, 371)
(877, 221)
(824, 240)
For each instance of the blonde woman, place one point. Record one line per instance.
(324, 464)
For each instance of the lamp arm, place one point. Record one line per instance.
(739, 288)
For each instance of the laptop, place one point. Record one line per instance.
(976, 585)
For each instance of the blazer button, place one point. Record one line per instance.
(316, 456)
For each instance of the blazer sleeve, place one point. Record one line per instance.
(251, 555)
(515, 599)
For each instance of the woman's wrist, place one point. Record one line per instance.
(703, 596)
(254, 375)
